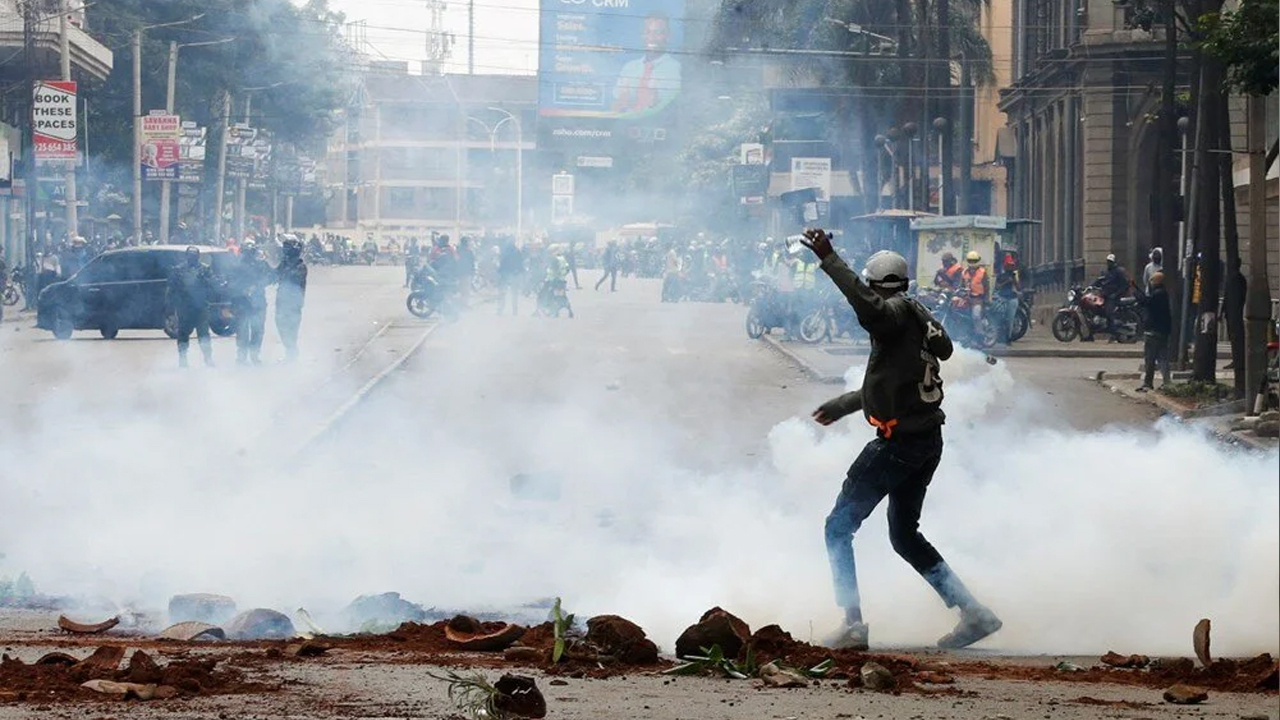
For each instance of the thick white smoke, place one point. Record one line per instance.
(1082, 542)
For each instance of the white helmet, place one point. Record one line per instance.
(887, 270)
(1111, 258)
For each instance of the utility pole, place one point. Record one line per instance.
(220, 185)
(137, 136)
(1257, 306)
(29, 167)
(471, 37)
(947, 111)
(242, 183)
(965, 116)
(64, 52)
(165, 187)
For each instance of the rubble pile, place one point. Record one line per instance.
(61, 676)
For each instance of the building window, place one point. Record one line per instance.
(399, 202)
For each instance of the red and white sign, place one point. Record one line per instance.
(53, 118)
(161, 145)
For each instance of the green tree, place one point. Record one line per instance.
(292, 55)
(1246, 42)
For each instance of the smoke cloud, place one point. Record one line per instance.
(1112, 539)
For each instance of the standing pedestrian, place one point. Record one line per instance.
(291, 289)
(510, 275)
(571, 257)
(609, 261)
(466, 267)
(901, 396)
(1156, 335)
(1156, 265)
(249, 290)
(189, 291)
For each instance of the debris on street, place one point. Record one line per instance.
(193, 630)
(52, 678)
(381, 613)
(715, 627)
(1200, 642)
(1185, 695)
(471, 634)
(1115, 659)
(621, 639)
(875, 676)
(774, 675)
(260, 624)
(76, 628)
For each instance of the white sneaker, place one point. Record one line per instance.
(850, 636)
(975, 624)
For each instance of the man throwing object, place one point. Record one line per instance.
(901, 397)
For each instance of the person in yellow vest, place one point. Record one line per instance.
(977, 284)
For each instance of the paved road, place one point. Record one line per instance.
(644, 458)
(649, 459)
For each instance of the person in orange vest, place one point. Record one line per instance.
(974, 280)
(948, 276)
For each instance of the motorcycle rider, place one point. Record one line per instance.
(948, 276)
(556, 277)
(190, 287)
(976, 285)
(249, 283)
(1113, 284)
(901, 397)
(1008, 290)
(1156, 334)
(291, 290)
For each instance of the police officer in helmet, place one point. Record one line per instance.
(190, 289)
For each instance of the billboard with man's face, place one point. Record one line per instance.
(609, 71)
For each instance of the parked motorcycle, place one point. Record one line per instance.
(832, 318)
(766, 311)
(954, 312)
(553, 297)
(1022, 321)
(16, 286)
(1084, 315)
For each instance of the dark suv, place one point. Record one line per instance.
(126, 289)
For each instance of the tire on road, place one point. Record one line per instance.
(813, 327)
(109, 329)
(1021, 324)
(418, 304)
(1128, 317)
(62, 326)
(1065, 327)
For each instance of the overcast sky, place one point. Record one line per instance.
(506, 32)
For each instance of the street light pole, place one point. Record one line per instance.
(519, 167)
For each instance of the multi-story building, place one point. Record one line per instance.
(1081, 142)
(434, 152)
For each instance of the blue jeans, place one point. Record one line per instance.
(900, 468)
